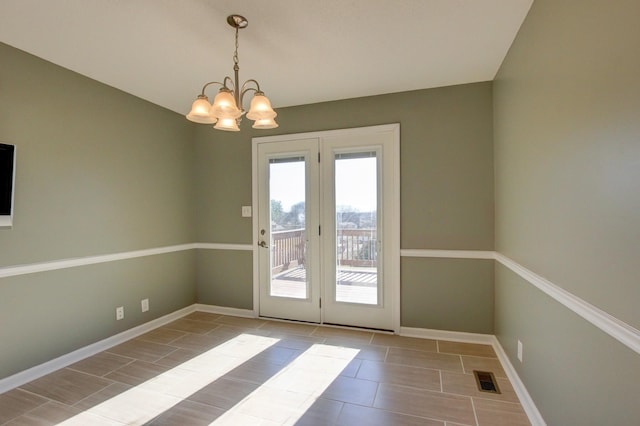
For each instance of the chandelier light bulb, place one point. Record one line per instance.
(228, 124)
(224, 106)
(201, 111)
(265, 123)
(260, 108)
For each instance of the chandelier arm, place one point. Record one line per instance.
(227, 81)
(209, 84)
(225, 84)
(246, 89)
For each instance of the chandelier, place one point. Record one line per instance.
(226, 111)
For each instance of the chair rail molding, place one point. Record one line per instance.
(448, 254)
(9, 271)
(616, 328)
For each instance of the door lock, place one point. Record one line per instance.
(263, 244)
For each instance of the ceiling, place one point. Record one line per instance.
(301, 51)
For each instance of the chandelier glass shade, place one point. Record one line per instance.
(226, 111)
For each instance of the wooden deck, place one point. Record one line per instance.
(355, 285)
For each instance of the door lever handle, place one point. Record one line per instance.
(263, 244)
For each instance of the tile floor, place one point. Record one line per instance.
(211, 369)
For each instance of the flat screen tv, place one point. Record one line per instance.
(7, 183)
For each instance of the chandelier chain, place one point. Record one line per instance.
(235, 53)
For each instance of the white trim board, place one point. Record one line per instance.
(485, 339)
(452, 336)
(535, 417)
(48, 367)
(616, 328)
(449, 254)
(65, 360)
(10, 271)
(223, 310)
(223, 246)
(55, 364)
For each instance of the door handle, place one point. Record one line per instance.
(263, 244)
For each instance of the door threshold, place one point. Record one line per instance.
(353, 327)
(328, 325)
(287, 320)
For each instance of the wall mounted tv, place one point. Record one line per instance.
(7, 183)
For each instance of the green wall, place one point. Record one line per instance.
(49, 314)
(447, 294)
(98, 172)
(575, 373)
(567, 156)
(104, 172)
(446, 198)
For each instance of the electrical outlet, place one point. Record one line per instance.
(119, 313)
(519, 350)
(144, 304)
(246, 211)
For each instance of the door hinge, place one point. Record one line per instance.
(319, 230)
(318, 157)
(320, 302)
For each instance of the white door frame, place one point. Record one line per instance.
(393, 198)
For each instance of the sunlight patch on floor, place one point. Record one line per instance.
(284, 398)
(155, 396)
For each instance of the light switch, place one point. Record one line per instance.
(246, 211)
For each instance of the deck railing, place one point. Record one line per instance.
(287, 249)
(355, 247)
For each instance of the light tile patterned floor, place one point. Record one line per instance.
(211, 369)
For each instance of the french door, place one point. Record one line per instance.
(288, 245)
(326, 227)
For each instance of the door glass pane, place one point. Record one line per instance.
(356, 183)
(288, 243)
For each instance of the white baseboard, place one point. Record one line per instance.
(525, 399)
(487, 339)
(452, 336)
(48, 367)
(223, 310)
